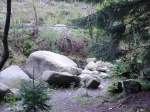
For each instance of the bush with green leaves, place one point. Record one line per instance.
(121, 69)
(115, 87)
(101, 45)
(34, 95)
(106, 3)
(27, 47)
(101, 51)
(12, 100)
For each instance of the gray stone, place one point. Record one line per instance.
(103, 75)
(41, 61)
(15, 92)
(88, 60)
(60, 79)
(90, 72)
(102, 66)
(3, 89)
(88, 81)
(91, 66)
(92, 83)
(13, 76)
(102, 69)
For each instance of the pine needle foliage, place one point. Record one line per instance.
(34, 95)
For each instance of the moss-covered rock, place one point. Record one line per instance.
(131, 86)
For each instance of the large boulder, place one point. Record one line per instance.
(13, 76)
(131, 86)
(88, 81)
(41, 61)
(60, 79)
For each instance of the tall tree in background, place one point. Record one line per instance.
(5, 53)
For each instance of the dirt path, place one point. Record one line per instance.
(99, 100)
(76, 100)
(72, 100)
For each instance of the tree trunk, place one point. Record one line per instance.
(5, 53)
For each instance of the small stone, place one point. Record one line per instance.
(91, 66)
(88, 60)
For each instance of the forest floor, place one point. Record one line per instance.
(99, 100)
(66, 101)
(70, 101)
(83, 100)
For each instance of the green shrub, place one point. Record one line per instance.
(12, 100)
(94, 50)
(121, 69)
(34, 95)
(102, 50)
(101, 45)
(27, 47)
(106, 3)
(115, 87)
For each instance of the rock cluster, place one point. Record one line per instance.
(56, 70)
(95, 71)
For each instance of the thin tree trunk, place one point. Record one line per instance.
(5, 53)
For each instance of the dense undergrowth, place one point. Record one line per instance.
(126, 31)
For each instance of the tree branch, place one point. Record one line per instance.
(5, 53)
